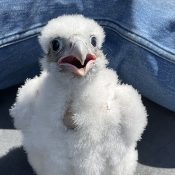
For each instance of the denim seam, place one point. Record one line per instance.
(23, 31)
(112, 25)
(137, 40)
(122, 27)
(20, 36)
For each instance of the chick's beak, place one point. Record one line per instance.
(79, 50)
(79, 60)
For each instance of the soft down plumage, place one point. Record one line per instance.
(106, 118)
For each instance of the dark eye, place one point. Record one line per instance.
(93, 41)
(56, 45)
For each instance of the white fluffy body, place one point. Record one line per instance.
(109, 116)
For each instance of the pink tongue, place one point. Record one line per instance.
(72, 60)
(75, 62)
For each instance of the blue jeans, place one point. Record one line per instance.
(140, 42)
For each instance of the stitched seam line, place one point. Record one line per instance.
(20, 36)
(137, 40)
(116, 27)
(121, 27)
(23, 32)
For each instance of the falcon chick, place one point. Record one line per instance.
(76, 117)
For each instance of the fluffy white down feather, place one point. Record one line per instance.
(109, 116)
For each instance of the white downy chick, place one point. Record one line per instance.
(76, 117)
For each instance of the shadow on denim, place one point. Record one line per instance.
(157, 146)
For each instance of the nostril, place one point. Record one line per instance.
(70, 44)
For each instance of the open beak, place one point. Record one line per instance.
(79, 60)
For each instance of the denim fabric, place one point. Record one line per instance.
(140, 42)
